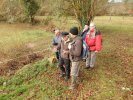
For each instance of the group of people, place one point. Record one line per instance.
(68, 47)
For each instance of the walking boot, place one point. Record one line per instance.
(67, 78)
(73, 83)
(62, 74)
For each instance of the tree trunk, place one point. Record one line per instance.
(32, 20)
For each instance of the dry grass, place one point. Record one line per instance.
(20, 39)
(116, 24)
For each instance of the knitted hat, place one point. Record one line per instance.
(92, 24)
(64, 33)
(74, 31)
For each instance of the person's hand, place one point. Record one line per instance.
(65, 52)
(96, 51)
(55, 49)
(69, 46)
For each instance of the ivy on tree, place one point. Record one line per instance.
(31, 7)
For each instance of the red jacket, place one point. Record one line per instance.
(95, 42)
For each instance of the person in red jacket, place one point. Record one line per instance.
(94, 41)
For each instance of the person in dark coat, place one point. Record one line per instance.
(64, 61)
(75, 49)
(85, 31)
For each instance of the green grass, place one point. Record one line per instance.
(63, 23)
(15, 42)
(116, 24)
(112, 73)
(41, 81)
(17, 84)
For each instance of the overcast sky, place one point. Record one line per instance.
(115, 0)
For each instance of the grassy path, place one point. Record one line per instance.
(111, 79)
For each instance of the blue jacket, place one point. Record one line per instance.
(83, 34)
(56, 40)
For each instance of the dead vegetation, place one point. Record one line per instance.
(10, 66)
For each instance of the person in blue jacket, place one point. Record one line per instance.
(56, 41)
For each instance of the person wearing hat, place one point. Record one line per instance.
(94, 41)
(64, 61)
(55, 42)
(75, 49)
(85, 31)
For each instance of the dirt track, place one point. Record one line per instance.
(25, 53)
(10, 66)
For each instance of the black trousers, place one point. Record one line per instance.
(64, 65)
(57, 55)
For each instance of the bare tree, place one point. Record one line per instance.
(83, 10)
(11, 10)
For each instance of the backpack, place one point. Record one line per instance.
(99, 33)
(84, 53)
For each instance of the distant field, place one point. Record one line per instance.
(114, 24)
(19, 39)
(106, 24)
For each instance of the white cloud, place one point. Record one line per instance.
(118, 0)
(115, 0)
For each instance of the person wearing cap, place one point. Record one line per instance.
(75, 49)
(64, 61)
(94, 41)
(85, 31)
(55, 42)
